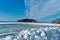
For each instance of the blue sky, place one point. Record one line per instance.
(12, 10)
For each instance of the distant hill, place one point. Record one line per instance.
(57, 21)
(27, 20)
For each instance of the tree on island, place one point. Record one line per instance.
(27, 20)
(57, 21)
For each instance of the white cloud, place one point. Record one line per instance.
(43, 8)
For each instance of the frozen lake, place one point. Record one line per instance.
(29, 31)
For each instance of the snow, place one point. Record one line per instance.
(51, 33)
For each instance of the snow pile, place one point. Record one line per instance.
(48, 33)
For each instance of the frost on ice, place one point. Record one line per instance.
(50, 33)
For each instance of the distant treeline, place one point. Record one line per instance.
(57, 21)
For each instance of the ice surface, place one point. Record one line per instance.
(47, 33)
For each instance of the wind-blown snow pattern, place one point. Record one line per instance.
(29, 32)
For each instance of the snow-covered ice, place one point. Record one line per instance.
(51, 33)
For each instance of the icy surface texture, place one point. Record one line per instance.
(47, 33)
